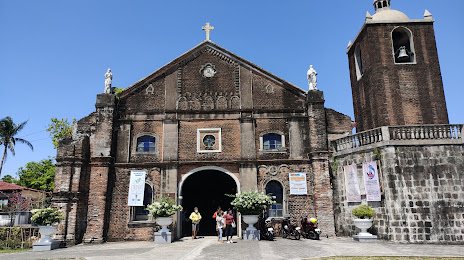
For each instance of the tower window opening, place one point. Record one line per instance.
(403, 48)
(358, 61)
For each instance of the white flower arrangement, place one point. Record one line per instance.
(252, 202)
(164, 207)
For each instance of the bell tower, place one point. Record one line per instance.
(394, 71)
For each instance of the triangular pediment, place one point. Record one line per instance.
(220, 53)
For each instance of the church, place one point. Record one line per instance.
(211, 123)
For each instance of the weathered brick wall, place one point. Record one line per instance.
(147, 99)
(119, 221)
(270, 95)
(230, 130)
(338, 124)
(422, 193)
(397, 94)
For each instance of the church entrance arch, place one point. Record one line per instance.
(205, 188)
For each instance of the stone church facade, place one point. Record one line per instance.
(210, 123)
(207, 113)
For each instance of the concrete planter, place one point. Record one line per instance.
(164, 235)
(364, 225)
(251, 233)
(46, 242)
(164, 223)
(250, 220)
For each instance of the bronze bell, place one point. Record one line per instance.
(403, 54)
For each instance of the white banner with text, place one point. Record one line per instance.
(371, 181)
(136, 188)
(353, 193)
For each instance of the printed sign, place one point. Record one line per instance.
(371, 181)
(136, 188)
(353, 194)
(298, 184)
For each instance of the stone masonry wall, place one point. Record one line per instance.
(422, 193)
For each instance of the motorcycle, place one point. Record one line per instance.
(290, 229)
(267, 231)
(309, 228)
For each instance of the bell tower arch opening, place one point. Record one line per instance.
(205, 188)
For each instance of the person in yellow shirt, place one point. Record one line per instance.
(195, 217)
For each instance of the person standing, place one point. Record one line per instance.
(214, 216)
(220, 224)
(230, 224)
(195, 217)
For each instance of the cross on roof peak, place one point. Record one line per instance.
(207, 28)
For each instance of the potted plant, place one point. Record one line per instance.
(162, 210)
(46, 220)
(250, 204)
(364, 219)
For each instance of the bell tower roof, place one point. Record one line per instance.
(383, 12)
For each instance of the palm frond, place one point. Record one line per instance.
(11, 147)
(24, 142)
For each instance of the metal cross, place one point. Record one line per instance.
(207, 28)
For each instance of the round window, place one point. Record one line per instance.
(209, 141)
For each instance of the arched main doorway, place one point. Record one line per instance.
(205, 188)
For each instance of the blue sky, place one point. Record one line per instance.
(53, 54)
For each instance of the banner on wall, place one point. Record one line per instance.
(353, 193)
(298, 184)
(371, 181)
(136, 188)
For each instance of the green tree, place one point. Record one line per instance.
(8, 131)
(38, 175)
(10, 179)
(59, 129)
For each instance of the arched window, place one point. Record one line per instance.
(272, 141)
(146, 143)
(403, 47)
(275, 188)
(358, 61)
(141, 212)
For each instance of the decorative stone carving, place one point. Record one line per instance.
(108, 79)
(269, 89)
(208, 101)
(235, 102)
(222, 102)
(312, 80)
(208, 70)
(150, 90)
(273, 169)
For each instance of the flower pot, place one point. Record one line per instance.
(46, 232)
(164, 222)
(363, 224)
(250, 220)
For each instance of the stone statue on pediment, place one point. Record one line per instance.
(108, 79)
(312, 80)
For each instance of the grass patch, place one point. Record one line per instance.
(6, 251)
(387, 258)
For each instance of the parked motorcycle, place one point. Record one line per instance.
(309, 228)
(290, 229)
(266, 230)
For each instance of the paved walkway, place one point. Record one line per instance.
(208, 248)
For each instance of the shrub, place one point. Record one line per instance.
(252, 202)
(363, 212)
(48, 216)
(164, 207)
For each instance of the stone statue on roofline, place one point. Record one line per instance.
(108, 79)
(312, 80)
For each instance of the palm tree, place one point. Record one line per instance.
(8, 130)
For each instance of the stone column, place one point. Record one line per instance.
(101, 162)
(248, 171)
(297, 138)
(71, 164)
(319, 155)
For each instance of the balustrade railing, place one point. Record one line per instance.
(425, 132)
(399, 133)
